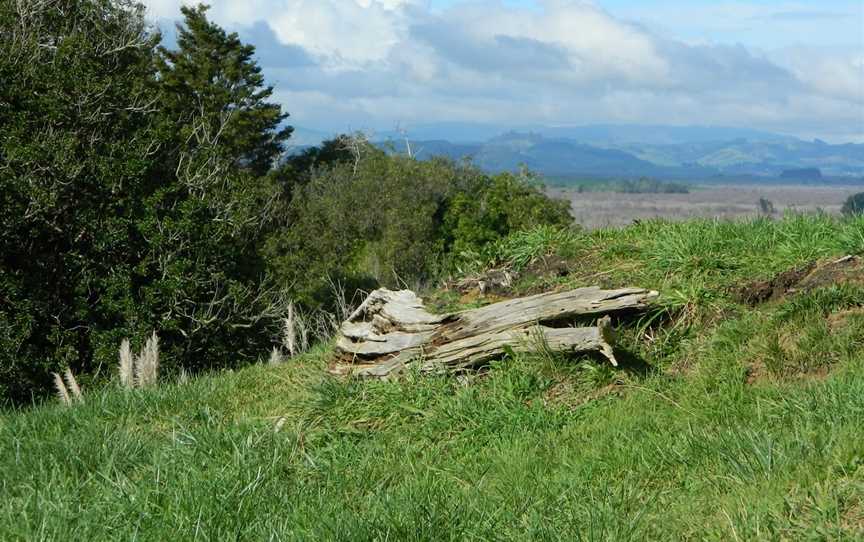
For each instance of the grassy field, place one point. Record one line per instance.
(729, 422)
(595, 209)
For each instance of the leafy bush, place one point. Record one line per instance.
(367, 218)
(483, 209)
(854, 205)
(130, 200)
(138, 193)
(77, 125)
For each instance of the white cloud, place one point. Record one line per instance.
(343, 32)
(596, 45)
(162, 9)
(375, 62)
(835, 73)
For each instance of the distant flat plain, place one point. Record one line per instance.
(600, 209)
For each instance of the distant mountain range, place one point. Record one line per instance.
(625, 151)
(594, 134)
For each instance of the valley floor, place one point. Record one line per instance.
(738, 417)
(603, 209)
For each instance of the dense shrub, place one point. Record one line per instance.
(483, 209)
(76, 127)
(854, 205)
(132, 190)
(367, 218)
(138, 193)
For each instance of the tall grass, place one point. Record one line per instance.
(743, 425)
(126, 368)
(141, 370)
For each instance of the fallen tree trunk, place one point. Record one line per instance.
(391, 330)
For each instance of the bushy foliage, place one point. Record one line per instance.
(76, 137)
(366, 218)
(216, 201)
(854, 205)
(484, 209)
(132, 191)
(142, 189)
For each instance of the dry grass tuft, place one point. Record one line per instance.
(68, 390)
(142, 370)
(127, 365)
(183, 378)
(276, 357)
(147, 363)
(72, 386)
(62, 392)
(295, 332)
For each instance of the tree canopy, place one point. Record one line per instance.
(146, 188)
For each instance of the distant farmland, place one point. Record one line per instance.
(598, 209)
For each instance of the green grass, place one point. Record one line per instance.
(729, 423)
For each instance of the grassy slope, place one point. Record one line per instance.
(748, 426)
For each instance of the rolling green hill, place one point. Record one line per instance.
(562, 152)
(737, 417)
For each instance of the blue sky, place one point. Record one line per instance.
(789, 66)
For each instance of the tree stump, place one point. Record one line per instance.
(392, 330)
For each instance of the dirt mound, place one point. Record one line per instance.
(492, 281)
(499, 282)
(549, 266)
(849, 269)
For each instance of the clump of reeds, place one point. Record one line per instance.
(68, 390)
(276, 357)
(300, 329)
(295, 334)
(141, 370)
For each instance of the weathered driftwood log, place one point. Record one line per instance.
(393, 330)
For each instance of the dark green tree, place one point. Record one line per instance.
(215, 90)
(77, 141)
(203, 273)
(135, 192)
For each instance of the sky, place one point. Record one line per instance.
(792, 67)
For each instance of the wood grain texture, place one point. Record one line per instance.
(392, 331)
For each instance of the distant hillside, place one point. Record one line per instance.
(677, 153)
(596, 134)
(561, 157)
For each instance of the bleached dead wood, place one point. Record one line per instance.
(391, 330)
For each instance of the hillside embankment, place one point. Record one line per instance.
(735, 414)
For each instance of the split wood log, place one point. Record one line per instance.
(392, 331)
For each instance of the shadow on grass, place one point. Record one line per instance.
(633, 364)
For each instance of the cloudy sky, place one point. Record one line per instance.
(786, 66)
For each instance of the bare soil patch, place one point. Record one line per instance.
(839, 320)
(847, 270)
